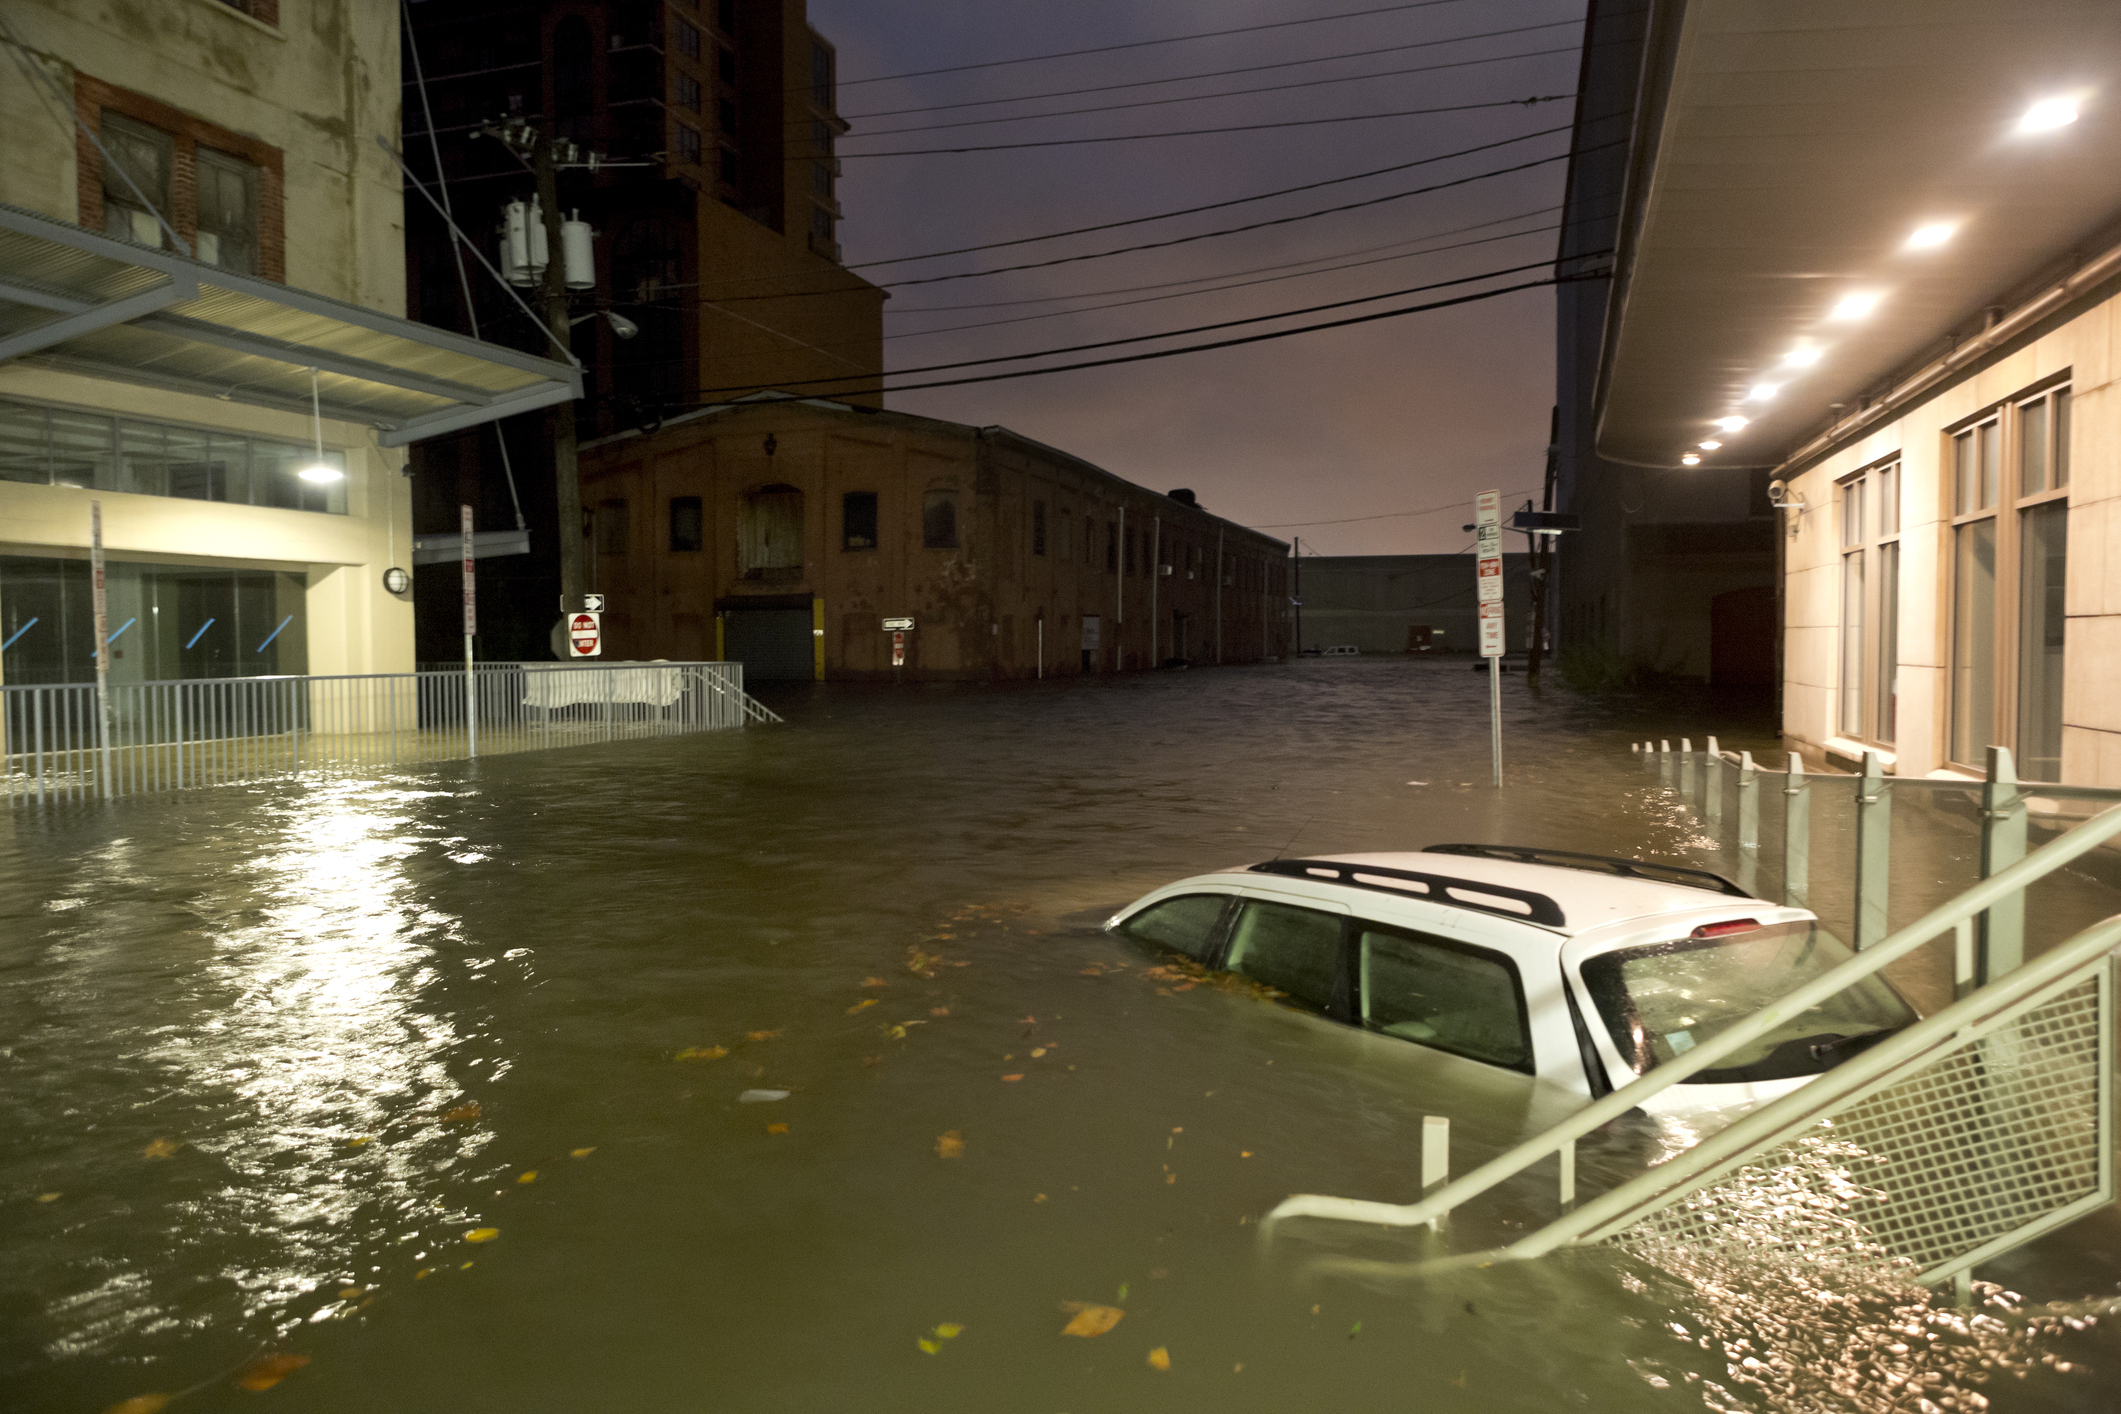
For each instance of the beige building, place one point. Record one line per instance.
(201, 328)
(1878, 265)
(786, 534)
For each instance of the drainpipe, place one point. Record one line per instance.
(1156, 573)
(1119, 594)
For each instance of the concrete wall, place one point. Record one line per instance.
(993, 607)
(2082, 344)
(319, 85)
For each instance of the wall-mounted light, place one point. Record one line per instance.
(1853, 306)
(1930, 236)
(2048, 114)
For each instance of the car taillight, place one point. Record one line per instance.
(1726, 928)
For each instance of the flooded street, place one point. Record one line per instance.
(439, 1082)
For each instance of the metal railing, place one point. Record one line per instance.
(2036, 1044)
(219, 731)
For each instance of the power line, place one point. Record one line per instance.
(1203, 132)
(1388, 515)
(1231, 93)
(1218, 344)
(1147, 43)
(1212, 74)
(1210, 206)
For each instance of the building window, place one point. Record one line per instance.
(725, 65)
(821, 76)
(688, 38)
(688, 144)
(821, 180)
(1038, 527)
(725, 16)
(613, 533)
(167, 621)
(1112, 546)
(858, 520)
(687, 91)
(50, 446)
(2010, 528)
(770, 534)
(1870, 604)
(148, 156)
(725, 112)
(1132, 539)
(939, 520)
(821, 222)
(686, 525)
(228, 211)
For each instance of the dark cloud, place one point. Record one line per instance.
(1395, 415)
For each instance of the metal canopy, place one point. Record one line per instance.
(74, 300)
(1799, 147)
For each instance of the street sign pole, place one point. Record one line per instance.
(471, 626)
(100, 605)
(1487, 523)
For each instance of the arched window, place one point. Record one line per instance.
(770, 533)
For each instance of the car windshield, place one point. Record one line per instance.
(1662, 1000)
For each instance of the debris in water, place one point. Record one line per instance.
(482, 1234)
(267, 1371)
(1160, 1359)
(703, 1053)
(463, 1112)
(527, 1176)
(776, 1129)
(1090, 1319)
(582, 1153)
(162, 1148)
(860, 1005)
(761, 1097)
(950, 1145)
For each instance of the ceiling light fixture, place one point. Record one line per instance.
(1730, 424)
(1690, 460)
(1761, 392)
(2048, 114)
(1711, 445)
(320, 471)
(1802, 357)
(1853, 307)
(1929, 237)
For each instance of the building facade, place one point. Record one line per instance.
(716, 210)
(1911, 337)
(786, 534)
(201, 329)
(1405, 603)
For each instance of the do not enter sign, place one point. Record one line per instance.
(585, 635)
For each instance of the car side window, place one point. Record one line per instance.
(1296, 950)
(1454, 998)
(1184, 924)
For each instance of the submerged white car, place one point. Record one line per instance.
(1581, 970)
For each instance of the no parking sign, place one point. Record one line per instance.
(585, 635)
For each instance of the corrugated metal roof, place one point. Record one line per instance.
(73, 299)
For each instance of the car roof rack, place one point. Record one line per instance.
(1649, 870)
(1435, 888)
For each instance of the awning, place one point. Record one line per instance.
(74, 300)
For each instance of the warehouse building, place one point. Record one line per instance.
(1405, 603)
(785, 533)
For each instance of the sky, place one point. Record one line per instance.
(1331, 436)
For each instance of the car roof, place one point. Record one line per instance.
(1586, 900)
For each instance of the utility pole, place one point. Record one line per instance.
(559, 418)
(1542, 549)
(1296, 588)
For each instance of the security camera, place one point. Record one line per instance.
(1776, 490)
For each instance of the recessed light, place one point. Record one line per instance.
(1711, 445)
(1690, 460)
(2048, 114)
(321, 474)
(1929, 237)
(1853, 307)
(1730, 424)
(1802, 358)
(1761, 392)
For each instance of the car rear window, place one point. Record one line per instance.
(1295, 950)
(1453, 998)
(1184, 924)
(1663, 999)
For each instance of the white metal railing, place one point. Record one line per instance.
(216, 731)
(1979, 1012)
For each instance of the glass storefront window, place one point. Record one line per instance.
(1973, 639)
(166, 622)
(61, 447)
(2043, 566)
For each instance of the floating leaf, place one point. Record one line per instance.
(1244, 1153)
(703, 1053)
(482, 1234)
(1091, 1320)
(950, 1146)
(897, 1033)
(938, 1011)
(357, 1142)
(1355, 1330)
(1039, 1198)
(776, 1129)
(1160, 1359)
(423, 1274)
(162, 1148)
(950, 1330)
(874, 982)
(470, 1111)
(463, 1266)
(581, 1153)
(1123, 1291)
(48, 1197)
(1037, 1051)
(860, 1005)
(347, 1293)
(1178, 1129)
(928, 1347)
(1017, 1076)
(761, 1097)
(268, 1370)
(527, 1176)
(761, 1035)
(141, 1404)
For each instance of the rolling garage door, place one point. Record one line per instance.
(774, 645)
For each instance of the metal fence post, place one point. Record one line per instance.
(1874, 839)
(2000, 938)
(1796, 835)
(1712, 788)
(1664, 760)
(1686, 769)
(1435, 1158)
(1748, 803)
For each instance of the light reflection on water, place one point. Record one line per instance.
(271, 977)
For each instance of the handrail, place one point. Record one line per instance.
(1698, 1165)
(1984, 895)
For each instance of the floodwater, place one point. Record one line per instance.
(436, 1082)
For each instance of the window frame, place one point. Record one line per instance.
(1359, 995)
(847, 538)
(2008, 508)
(1340, 1005)
(698, 507)
(1870, 507)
